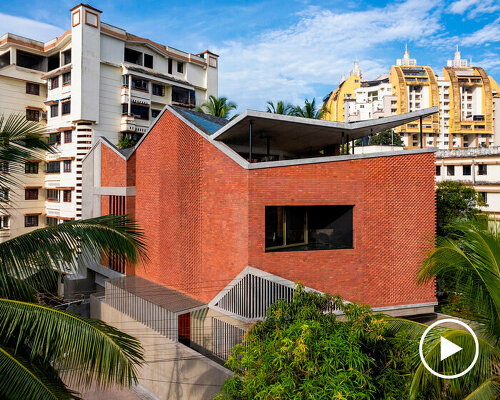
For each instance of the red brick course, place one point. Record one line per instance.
(203, 215)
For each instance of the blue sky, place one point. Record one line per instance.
(292, 50)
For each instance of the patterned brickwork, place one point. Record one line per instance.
(204, 218)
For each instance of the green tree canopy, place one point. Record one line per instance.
(386, 137)
(309, 110)
(281, 107)
(302, 352)
(217, 106)
(455, 201)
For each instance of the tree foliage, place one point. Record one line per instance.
(309, 110)
(217, 106)
(386, 137)
(281, 107)
(455, 201)
(300, 351)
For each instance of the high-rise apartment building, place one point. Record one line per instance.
(467, 97)
(96, 80)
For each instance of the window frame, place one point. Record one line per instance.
(68, 134)
(52, 108)
(30, 166)
(31, 225)
(482, 169)
(66, 166)
(35, 112)
(67, 196)
(35, 86)
(54, 82)
(30, 194)
(63, 104)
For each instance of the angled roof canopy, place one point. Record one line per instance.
(295, 134)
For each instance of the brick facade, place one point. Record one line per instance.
(203, 215)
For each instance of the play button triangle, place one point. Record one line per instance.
(448, 348)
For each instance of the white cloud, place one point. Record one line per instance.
(28, 28)
(488, 34)
(289, 63)
(475, 7)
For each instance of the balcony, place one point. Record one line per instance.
(130, 123)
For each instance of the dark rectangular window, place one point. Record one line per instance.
(139, 111)
(482, 169)
(140, 84)
(53, 62)
(67, 166)
(125, 109)
(52, 195)
(68, 136)
(32, 115)
(30, 60)
(67, 196)
(148, 61)
(4, 194)
(438, 170)
(67, 57)
(31, 167)
(66, 78)
(30, 194)
(155, 113)
(183, 96)
(125, 80)
(450, 170)
(466, 170)
(54, 82)
(30, 220)
(158, 90)
(180, 67)
(302, 228)
(33, 88)
(53, 167)
(484, 197)
(4, 222)
(51, 221)
(55, 138)
(54, 110)
(66, 107)
(132, 56)
(170, 63)
(4, 167)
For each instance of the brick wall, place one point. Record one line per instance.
(204, 218)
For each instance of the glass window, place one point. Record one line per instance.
(4, 222)
(66, 107)
(450, 170)
(158, 90)
(140, 84)
(53, 167)
(482, 169)
(51, 221)
(54, 138)
(33, 88)
(54, 82)
(31, 167)
(67, 57)
(30, 220)
(54, 110)
(4, 194)
(438, 170)
(183, 96)
(52, 194)
(32, 115)
(125, 80)
(67, 165)
(4, 167)
(140, 112)
(30, 194)
(67, 196)
(68, 136)
(301, 228)
(466, 170)
(180, 67)
(66, 78)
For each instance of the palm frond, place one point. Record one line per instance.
(24, 381)
(56, 246)
(81, 349)
(489, 390)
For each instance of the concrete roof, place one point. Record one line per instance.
(296, 134)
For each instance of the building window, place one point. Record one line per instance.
(33, 88)
(52, 194)
(67, 166)
(54, 82)
(30, 220)
(66, 78)
(140, 84)
(183, 96)
(158, 90)
(125, 109)
(148, 61)
(140, 112)
(125, 80)
(4, 194)
(4, 167)
(170, 63)
(450, 170)
(155, 113)
(55, 138)
(299, 228)
(31, 167)
(484, 197)
(132, 56)
(466, 170)
(30, 194)
(482, 169)
(66, 107)
(67, 57)
(180, 67)
(32, 115)
(4, 222)
(53, 167)
(51, 221)
(68, 136)
(67, 196)
(54, 110)
(438, 170)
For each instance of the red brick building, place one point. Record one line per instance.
(236, 213)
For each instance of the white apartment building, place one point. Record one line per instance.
(96, 80)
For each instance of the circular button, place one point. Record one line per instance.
(448, 348)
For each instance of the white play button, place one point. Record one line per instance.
(448, 348)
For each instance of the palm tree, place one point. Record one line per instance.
(471, 258)
(217, 106)
(309, 110)
(279, 108)
(40, 345)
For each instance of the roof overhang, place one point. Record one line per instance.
(296, 134)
